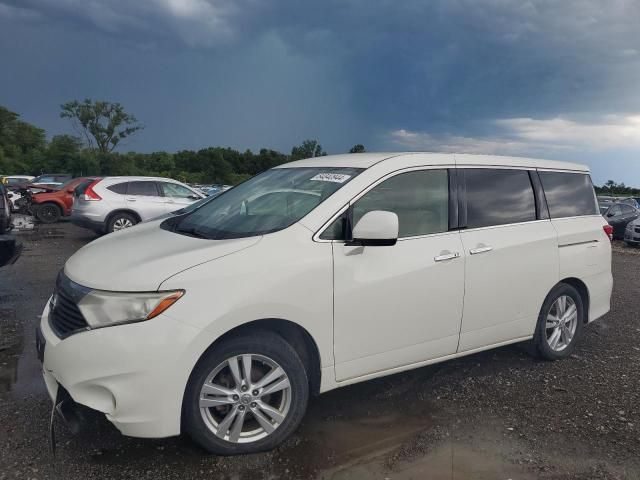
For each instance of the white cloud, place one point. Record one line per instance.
(197, 22)
(528, 136)
(17, 13)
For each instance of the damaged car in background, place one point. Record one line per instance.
(55, 203)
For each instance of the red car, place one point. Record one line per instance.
(50, 206)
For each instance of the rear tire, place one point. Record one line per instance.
(120, 221)
(560, 323)
(48, 213)
(265, 415)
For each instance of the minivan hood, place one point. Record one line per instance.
(140, 258)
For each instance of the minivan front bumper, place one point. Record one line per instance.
(135, 374)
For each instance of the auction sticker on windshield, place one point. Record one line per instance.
(331, 177)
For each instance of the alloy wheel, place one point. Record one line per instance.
(245, 398)
(122, 223)
(561, 323)
(48, 213)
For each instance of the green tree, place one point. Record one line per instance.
(308, 149)
(357, 148)
(102, 124)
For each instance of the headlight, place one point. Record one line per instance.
(101, 309)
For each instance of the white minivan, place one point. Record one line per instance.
(221, 321)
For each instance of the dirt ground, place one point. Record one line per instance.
(495, 415)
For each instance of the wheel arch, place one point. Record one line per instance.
(57, 203)
(295, 334)
(583, 290)
(121, 210)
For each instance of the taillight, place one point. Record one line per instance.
(89, 194)
(608, 229)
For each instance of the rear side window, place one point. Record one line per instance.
(147, 189)
(569, 194)
(498, 197)
(120, 188)
(614, 211)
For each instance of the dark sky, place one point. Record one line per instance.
(552, 79)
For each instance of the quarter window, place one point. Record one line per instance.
(569, 194)
(498, 197)
(120, 188)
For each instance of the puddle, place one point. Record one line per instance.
(9, 354)
(42, 232)
(450, 461)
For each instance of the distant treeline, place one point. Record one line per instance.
(24, 150)
(617, 190)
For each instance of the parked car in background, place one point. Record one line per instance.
(51, 179)
(115, 203)
(618, 215)
(16, 180)
(5, 210)
(220, 322)
(630, 201)
(632, 233)
(50, 206)
(603, 206)
(214, 190)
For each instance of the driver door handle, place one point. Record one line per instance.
(446, 255)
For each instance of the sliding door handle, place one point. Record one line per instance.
(480, 249)
(446, 255)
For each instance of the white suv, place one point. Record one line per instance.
(320, 273)
(114, 203)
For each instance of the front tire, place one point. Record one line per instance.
(48, 213)
(560, 323)
(245, 395)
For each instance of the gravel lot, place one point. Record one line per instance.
(498, 414)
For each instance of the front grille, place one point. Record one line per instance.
(65, 317)
(637, 229)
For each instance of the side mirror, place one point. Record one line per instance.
(71, 190)
(610, 214)
(195, 197)
(376, 228)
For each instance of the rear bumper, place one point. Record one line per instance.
(135, 374)
(85, 222)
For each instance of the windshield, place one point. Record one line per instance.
(263, 204)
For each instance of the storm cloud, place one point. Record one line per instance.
(546, 78)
